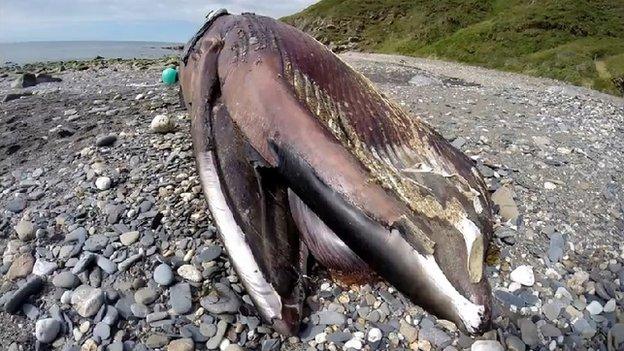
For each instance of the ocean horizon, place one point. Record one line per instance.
(46, 51)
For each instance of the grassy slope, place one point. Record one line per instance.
(579, 41)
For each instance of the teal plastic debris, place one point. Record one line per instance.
(169, 76)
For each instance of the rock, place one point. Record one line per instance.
(576, 281)
(116, 346)
(408, 331)
(47, 329)
(228, 301)
(594, 308)
(583, 328)
(21, 267)
(156, 340)
(180, 298)
(156, 316)
(551, 310)
(556, 247)
(63, 131)
(96, 243)
(322, 337)
(354, 343)
(111, 316)
(105, 264)
(503, 197)
(435, 336)
(550, 186)
(145, 296)
(528, 329)
(89, 345)
(83, 264)
(43, 267)
(215, 341)
(102, 330)
(103, 183)
(65, 280)
(610, 306)
(16, 204)
(184, 344)
(162, 124)
(15, 299)
(523, 275)
(163, 274)
(233, 347)
(615, 337)
(190, 273)
(25, 230)
(271, 345)
(24, 80)
(374, 335)
(14, 96)
(46, 78)
(106, 140)
(123, 307)
(129, 238)
(329, 318)
(139, 310)
(487, 345)
(87, 300)
(209, 254)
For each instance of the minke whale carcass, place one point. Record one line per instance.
(297, 152)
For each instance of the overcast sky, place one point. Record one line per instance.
(150, 20)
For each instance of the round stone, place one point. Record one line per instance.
(162, 124)
(374, 335)
(163, 274)
(25, 230)
(103, 183)
(102, 330)
(47, 329)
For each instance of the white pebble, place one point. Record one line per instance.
(609, 306)
(103, 183)
(374, 335)
(594, 308)
(162, 124)
(190, 273)
(320, 338)
(550, 186)
(523, 275)
(354, 343)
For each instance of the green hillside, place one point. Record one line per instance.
(579, 41)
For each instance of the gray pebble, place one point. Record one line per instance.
(180, 298)
(106, 140)
(163, 274)
(47, 329)
(66, 280)
(102, 330)
(139, 310)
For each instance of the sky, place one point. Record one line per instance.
(145, 20)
